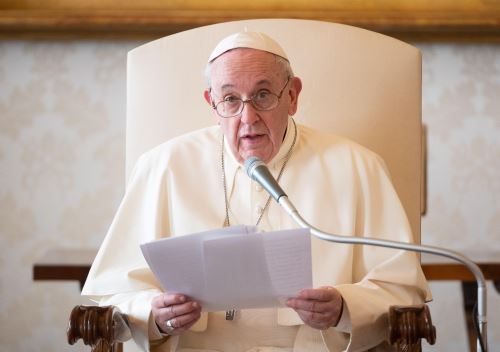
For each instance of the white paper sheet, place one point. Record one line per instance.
(234, 267)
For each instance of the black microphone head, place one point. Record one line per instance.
(250, 164)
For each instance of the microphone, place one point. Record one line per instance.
(257, 170)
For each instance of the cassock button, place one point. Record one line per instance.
(258, 187)
(259, 210)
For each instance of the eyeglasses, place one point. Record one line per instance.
(263, 100)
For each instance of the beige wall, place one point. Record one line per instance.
(62, 107)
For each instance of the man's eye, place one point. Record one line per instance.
(231, 99)
(262, 94)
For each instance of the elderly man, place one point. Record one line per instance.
(253, 93)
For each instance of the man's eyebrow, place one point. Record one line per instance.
(264, 81)
(259, 83)
(227, 85)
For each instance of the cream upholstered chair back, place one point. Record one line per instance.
(356, 83)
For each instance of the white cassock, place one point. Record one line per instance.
(337, 185)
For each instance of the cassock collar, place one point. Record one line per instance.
(232, 164)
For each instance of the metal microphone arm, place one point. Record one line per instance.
(481, 284)
(258, 171)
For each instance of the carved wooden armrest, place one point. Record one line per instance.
(408, 325)
(102, 328)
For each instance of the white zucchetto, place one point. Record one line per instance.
(252, 40)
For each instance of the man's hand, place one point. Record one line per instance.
(180, 312)
(320, 308)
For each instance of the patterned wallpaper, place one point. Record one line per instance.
(62, 121)
(461, 109)
(62, 113)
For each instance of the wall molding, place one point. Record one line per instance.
(476, 20)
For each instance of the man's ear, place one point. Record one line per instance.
(294, 91)
(208, 98)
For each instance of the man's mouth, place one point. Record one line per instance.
(251, 137)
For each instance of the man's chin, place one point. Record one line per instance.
(261, 155)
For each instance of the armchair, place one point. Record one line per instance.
(357, 83)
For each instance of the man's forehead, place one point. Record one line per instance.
(260, 83)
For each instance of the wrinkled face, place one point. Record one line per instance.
(242, 73)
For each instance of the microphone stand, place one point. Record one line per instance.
(481, 284)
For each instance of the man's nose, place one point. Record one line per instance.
(249, 115)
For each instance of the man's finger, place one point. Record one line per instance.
(317, 322)
(167, 299)
(318, 294)
(179, 309)
(313, 316)
(182, 323)
(308, 305)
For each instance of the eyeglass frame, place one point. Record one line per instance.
(250, 100)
